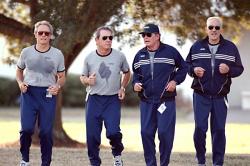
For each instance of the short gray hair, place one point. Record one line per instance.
(214, 18)
(47, 23)
(98, 31)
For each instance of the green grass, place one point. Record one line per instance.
(238, 136)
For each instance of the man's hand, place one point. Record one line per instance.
(199, 71)
(171, 86)
(92, 79)
(23, 87)
(54, 89)
(138, 87)
(121, 93)
(223, 68)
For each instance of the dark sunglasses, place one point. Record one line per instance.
(106, 37)
(146, 34)
(212, 27)
(40, 33)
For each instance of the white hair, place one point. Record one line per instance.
(214, 18)
(47, 23)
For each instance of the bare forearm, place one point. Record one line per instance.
(60, 79)
(126, 79)
(19, 76)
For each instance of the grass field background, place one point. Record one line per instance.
(238, 136)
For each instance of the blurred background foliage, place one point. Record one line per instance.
(186, 19)
(75, 21)
(9, 92)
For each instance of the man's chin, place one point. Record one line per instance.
(214, 38)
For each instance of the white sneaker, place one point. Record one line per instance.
(118, 161)
(24, 163)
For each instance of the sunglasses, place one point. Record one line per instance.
(146, 34)
(107, 37)
(212, 27)
(40, 33)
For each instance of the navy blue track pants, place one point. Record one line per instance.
(101, 109)
(217, 108)
(34, 106)
(152, 120)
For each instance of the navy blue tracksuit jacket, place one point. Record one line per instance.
(168, 65)
(213, 83)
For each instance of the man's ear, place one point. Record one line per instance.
(159, 35)
(96, 39)
(221, 30)
(35, 35)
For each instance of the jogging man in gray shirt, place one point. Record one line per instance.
(40, 83)
(105, 88)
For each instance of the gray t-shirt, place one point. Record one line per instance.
(213, 50)
(41, 68)
(108, 72)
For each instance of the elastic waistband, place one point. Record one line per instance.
(103, 95)
(37, 87)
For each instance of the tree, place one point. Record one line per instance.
(186, 19)
(76, 20)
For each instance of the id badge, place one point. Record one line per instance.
(162, 108)
(48, 94)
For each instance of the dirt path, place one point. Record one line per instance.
(78, 157)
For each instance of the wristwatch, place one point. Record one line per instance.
(59, 86)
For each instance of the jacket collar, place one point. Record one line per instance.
(145, 50)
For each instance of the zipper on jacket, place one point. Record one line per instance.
(222, 86)
(202, 89)
(213, 51)
(152, 72)
(212, 64)
(164, 89)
